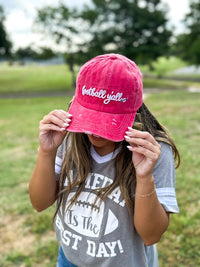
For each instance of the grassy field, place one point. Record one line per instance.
(27, 237)
(57, 78)
(32, 78)
(179, 111)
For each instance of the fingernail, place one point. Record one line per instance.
(130, 128)
(68, 120)
(69, 114)
(128, 133)
(127, 137)
(65, 124)
(63, 129)
(129, 147)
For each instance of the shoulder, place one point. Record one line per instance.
(164, 171)
(61, 151)
(166, 150)
(164, 176)
(166, 156)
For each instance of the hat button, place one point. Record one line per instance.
(113, 57)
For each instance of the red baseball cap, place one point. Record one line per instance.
(108, 94)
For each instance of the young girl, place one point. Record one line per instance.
(114, 184)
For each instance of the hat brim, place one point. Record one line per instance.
(106, 125)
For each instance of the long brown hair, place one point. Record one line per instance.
(79, 160)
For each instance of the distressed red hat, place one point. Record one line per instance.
(108, 94)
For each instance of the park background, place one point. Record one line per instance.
(39, 77)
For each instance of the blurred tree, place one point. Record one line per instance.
(26, 52)
(61, 24)
(5, 43)
(136, 29)
(45, 53)
(188, 43)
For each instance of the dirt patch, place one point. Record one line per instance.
(193, 208)
(187, 110)
(14, 236)
(24, 185)
(17, 152)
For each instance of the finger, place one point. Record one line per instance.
(62, 115)
(52, 119)
(140, 134)
(51, 127)
(147, 153)
(141, 142)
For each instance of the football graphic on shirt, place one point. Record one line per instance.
(86, 218)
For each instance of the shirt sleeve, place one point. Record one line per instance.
(59, 159)
(164, 177)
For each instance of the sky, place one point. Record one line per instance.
(20, 15)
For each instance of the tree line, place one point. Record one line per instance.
(137, 29)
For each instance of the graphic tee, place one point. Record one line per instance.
(104, 235)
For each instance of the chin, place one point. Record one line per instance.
(98, 141)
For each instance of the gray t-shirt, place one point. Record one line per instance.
(106, 237)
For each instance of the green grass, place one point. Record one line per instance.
(179, 111)
(153, 82)
(163, 65)
(57, 78)
(28, 238)
(34, 78)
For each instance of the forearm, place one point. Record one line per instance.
(150, 219)
(42, 186)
